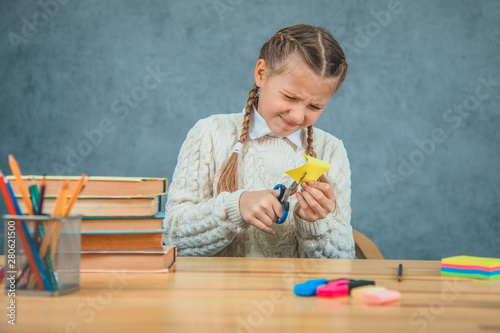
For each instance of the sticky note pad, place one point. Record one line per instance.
(470, 273)
(468, 260)
(382, 297)
(471, 267)
(314, 168)
(478, 267)
(359, 292)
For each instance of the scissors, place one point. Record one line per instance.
(285, 193)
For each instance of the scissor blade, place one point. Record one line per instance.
(302, 178)
(293, 187)
(295, 184)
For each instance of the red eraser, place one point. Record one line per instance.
(382, 296)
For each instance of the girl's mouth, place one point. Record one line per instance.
(291, 125)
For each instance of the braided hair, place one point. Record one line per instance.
(321, 53)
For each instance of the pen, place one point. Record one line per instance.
(42, 196)
(400, 273)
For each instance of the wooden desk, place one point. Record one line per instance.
(256, 295)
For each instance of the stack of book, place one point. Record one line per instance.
(122, 222)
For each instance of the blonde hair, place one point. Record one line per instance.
(322, 54)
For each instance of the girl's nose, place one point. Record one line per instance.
(297, 114)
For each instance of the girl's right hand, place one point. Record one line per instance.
(261, 209)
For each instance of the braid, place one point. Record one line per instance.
(228, 181)
(310, 148)
(284, 37)
(310, 151)
(248, 113)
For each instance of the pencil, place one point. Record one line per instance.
(400, 273)
(46, 241)
(59, 200)
(42, 196)
(62, 197)
(25, 234)
(80, 184)
(6, 196)
(34, 261)
(20, 183)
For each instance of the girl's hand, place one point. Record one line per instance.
(261, 209)
(316, 200)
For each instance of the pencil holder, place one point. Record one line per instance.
(42, 255)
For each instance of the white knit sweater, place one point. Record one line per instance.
(202, 223)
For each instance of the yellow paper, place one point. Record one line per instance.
(314, 168)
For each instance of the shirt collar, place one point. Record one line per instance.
(259, 128)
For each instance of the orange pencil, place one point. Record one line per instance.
(64, 200)
(56, 211)
(46, 241)
(19, 180)
(76, 192)
(49, 231)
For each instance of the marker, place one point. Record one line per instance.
(400, 273)
(308, 288)
(341, 287)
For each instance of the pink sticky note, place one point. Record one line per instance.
(382, 296)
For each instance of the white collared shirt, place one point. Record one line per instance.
(259, 128)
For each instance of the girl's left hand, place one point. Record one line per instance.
(316, 200)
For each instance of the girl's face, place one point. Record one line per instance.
(294, 99)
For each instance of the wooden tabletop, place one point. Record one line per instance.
(256, 295)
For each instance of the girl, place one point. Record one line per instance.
(220, 200)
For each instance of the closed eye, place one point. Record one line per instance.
(315, 107)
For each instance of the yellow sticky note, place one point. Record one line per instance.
(314, 168)
(468, 260)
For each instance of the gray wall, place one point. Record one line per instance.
(422, 74)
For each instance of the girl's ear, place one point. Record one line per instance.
(260, 72)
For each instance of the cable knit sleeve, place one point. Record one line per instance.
(196, 221)
(332, 236)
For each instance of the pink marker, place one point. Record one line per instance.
(341, 287)
(333, 289)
